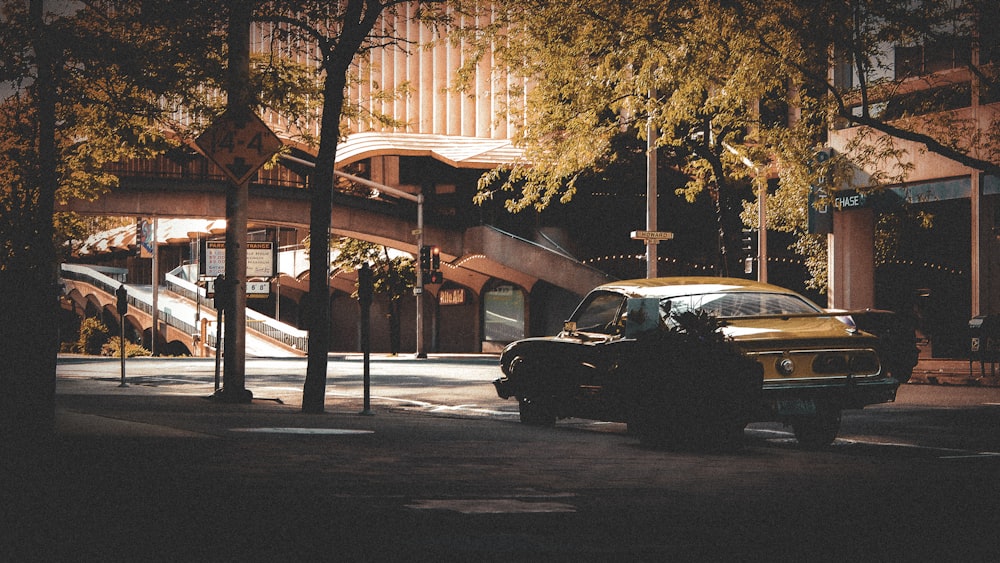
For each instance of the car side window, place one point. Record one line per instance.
(599, 313)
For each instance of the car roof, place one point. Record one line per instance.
(684, 285)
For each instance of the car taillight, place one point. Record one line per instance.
(830, 363)
(864, 362)
(860, 362)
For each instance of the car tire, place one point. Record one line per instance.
(535, 413)
(818, 431)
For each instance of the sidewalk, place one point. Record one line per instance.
(939, 371)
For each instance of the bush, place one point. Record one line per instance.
(694, 386)
(132, 350)
(93, 336)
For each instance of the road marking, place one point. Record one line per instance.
(953, 452)
(305, 431)
(943, 453)
(491, 506)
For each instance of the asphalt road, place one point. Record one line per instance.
(443, 471)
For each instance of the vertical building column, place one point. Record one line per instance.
(851, 256)
(979, 256)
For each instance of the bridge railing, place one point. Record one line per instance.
(95, 276)
(179, 282)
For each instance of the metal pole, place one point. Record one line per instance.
(156, 288)
(218, 346)
(197, 279)
(122, 348)
(651, 193)
(418, 291)
(762, 231)
(277, 275)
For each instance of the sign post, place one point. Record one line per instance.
(365, 294)
(651, 239)
(121, 304)
(239, 143)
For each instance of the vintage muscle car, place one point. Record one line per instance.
(815, 363)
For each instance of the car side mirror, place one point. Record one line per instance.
(642, 314)
(569, 326)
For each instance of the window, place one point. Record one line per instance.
(936, 56)
(599, 312)
(503, 314)
(740, 304)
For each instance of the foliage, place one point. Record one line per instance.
(118, 72)
(694, 386)
(94, 335)
(736, 90)
(392, 276)
(132, 350)
(681, 67)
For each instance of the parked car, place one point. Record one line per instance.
(814, 363)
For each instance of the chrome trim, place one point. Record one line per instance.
(766, 355)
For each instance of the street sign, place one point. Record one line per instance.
(239, 146)
(260, 259)
(652, 235)
(258, 289)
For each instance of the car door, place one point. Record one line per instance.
(596, 326)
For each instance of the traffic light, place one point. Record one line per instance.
(121, 300)
(748, 243)
(366, 285)
(425, 258)
(430, 264)
(748, 249)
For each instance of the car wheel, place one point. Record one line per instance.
(818, 431)
(535, 413)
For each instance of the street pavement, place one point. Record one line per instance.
(143, 473)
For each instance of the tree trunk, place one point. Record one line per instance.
(321, 199)
(28, 285)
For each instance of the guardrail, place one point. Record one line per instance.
(257, 322)
(178, 281)
(106, 283)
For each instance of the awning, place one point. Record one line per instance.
(459, 152)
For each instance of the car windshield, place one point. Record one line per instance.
(738, 304)
(599, 312)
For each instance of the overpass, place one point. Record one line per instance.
(470, 257)
(185, 325)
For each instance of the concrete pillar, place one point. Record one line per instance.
(851, 255)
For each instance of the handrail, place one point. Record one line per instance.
(263, 324)
(142, 302)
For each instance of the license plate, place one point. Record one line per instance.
(796, 406)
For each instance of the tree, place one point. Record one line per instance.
(75, 93)
(392, 276)
(740, 86)
(879, 50)
(341, 32)
(681, 64)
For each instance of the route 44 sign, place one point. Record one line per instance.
(239, 145)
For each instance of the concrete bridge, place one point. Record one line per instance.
(475, 260)
(470, 256)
